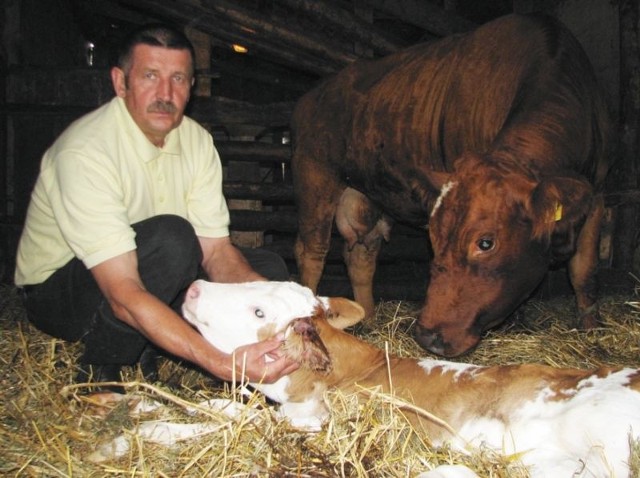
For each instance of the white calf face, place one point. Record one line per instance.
(231, 315)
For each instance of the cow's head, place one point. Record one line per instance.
(232, 315)
(494, 229)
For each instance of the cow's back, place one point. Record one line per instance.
(520, 80)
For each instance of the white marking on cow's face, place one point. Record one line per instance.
(443, 192)
(231, 315)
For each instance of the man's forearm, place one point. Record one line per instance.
(223, 262)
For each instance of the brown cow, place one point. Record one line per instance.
(495, 139)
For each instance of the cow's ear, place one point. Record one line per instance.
(559, 207)
(343, 313)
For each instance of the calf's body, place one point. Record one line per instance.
(563, 422)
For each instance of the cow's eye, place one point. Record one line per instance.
(259, 313)
(485, 244)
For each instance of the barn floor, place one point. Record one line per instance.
(49, 429)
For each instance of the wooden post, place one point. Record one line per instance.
(202, 46)
(626, 172)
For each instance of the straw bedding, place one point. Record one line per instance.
(49, 427)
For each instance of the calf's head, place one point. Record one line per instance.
(232, 315)
(494, 230)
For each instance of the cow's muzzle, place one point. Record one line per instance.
(434, 342)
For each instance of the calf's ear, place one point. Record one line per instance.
(558, 208)
(343, 313)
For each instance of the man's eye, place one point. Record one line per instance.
(259, 313)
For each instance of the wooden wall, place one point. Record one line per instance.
(47, 83)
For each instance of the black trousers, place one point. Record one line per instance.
(70, 306)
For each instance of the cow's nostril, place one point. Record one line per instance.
(428, 340)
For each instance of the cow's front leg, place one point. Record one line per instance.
(363, 228)
(583, 267)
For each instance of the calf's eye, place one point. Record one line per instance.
(259, 313)
(485, 244)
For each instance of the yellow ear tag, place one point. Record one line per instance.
(558, 214)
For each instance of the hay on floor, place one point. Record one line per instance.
(48, 428)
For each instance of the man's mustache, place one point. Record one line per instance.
(160, 106)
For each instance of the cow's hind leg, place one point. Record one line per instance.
(317, 195)
(363, 227)
(583, 267)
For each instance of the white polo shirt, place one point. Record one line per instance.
(102, 175)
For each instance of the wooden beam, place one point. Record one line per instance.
(627, 170)
(224, 111)
(425, 15)
(279, 30)
(330, 14)
(246, 220)
(275, 76)
(231, 22)
(274, 192)
(254, 151)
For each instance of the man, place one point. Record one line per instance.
(127, 211)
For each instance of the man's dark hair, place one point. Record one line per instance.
(155, 34)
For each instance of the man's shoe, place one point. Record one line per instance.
(149, 364)
(91, 373)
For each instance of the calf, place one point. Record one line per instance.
(563, 422)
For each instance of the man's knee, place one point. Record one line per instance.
(169, 255)
(168, 238)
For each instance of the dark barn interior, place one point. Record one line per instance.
(56, 57)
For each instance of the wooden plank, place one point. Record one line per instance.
(425, 15)
(627, 170)
(279, 221)
(326, 13)
(398, 249)
(254, 151)
(272, 192)
(232, 23)
(68, 87)
(225, 111)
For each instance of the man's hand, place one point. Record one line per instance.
(262, 362)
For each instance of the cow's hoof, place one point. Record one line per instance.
(589, 318)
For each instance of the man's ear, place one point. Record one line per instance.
(119, 81)
(342, 313)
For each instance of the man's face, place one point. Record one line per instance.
(156, 89)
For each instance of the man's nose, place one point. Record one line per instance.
(165, 89)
